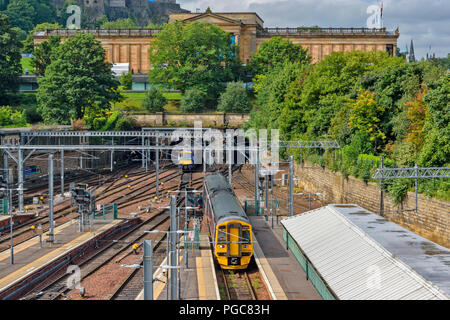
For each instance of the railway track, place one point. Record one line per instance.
(248, 186)
(35, 188)
(110, 251)
(132, 285)
(116, 250)
(237, 285)
(66, 213)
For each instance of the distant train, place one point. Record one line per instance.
(229, 226)
(186, 160)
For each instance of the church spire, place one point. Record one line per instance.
(412, 57)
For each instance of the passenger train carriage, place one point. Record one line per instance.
(229, 226)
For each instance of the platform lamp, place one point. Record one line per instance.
(4, 187)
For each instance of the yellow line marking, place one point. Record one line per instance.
(200, 279)
(33, 241)
(53, 255)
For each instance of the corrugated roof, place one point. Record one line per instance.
(352, 263)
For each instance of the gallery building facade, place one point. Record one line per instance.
(247, 28)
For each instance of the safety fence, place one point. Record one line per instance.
(258, 210)
(192, 237)
(105, 211)
(3, 207)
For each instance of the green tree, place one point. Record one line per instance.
(43, 53)
(28, 43)
(154, 100)
(44, 11)
(154, 26)
(325, 91)
(365, 115)
(197, 55)
(21, 14)
(77, 82)
(417, 113)
(235, 98)
(275, 52)
(98, 23)
(3, 4)
(193, 100)
(12, 118)
(10, 67)
(119, 24)
(271, 90)
(436, 148)
(126, 80)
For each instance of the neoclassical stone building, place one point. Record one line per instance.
(247, 28)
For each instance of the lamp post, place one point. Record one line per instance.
(172, 267)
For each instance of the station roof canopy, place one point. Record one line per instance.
(360, 255)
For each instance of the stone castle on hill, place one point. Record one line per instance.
(142, 11)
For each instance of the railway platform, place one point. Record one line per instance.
(34, 262)
(197, 282)
(285, 277)
(17, 218)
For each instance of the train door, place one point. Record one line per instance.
(234, 236)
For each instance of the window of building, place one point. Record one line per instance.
(390, 49)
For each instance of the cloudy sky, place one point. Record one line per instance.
(427, 22)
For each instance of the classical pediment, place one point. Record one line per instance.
(213, 18)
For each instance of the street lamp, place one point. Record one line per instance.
(10, 219)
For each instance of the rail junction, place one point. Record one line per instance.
(144, 238)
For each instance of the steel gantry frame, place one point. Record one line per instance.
(301, 144)
(415, 173)
(61, 148)
(313, 144)
(145, 148)
(412, 173)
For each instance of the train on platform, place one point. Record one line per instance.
(228, 223)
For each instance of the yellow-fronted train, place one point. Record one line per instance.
(229, 226)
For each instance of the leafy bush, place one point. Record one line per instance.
(154, 100)
(398, 189)
(126, 80)
(78, 125)
(124, 124)
(111, 122)
(193, 100)
(234, 99)
(12, 118)
(98, 123)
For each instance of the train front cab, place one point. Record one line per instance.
(233, 244)
(186, 159)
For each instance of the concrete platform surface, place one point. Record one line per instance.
(197, 281)
(284, 273)
(29, 256)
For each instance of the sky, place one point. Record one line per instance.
(426, 22)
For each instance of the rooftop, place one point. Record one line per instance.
(348, 245)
